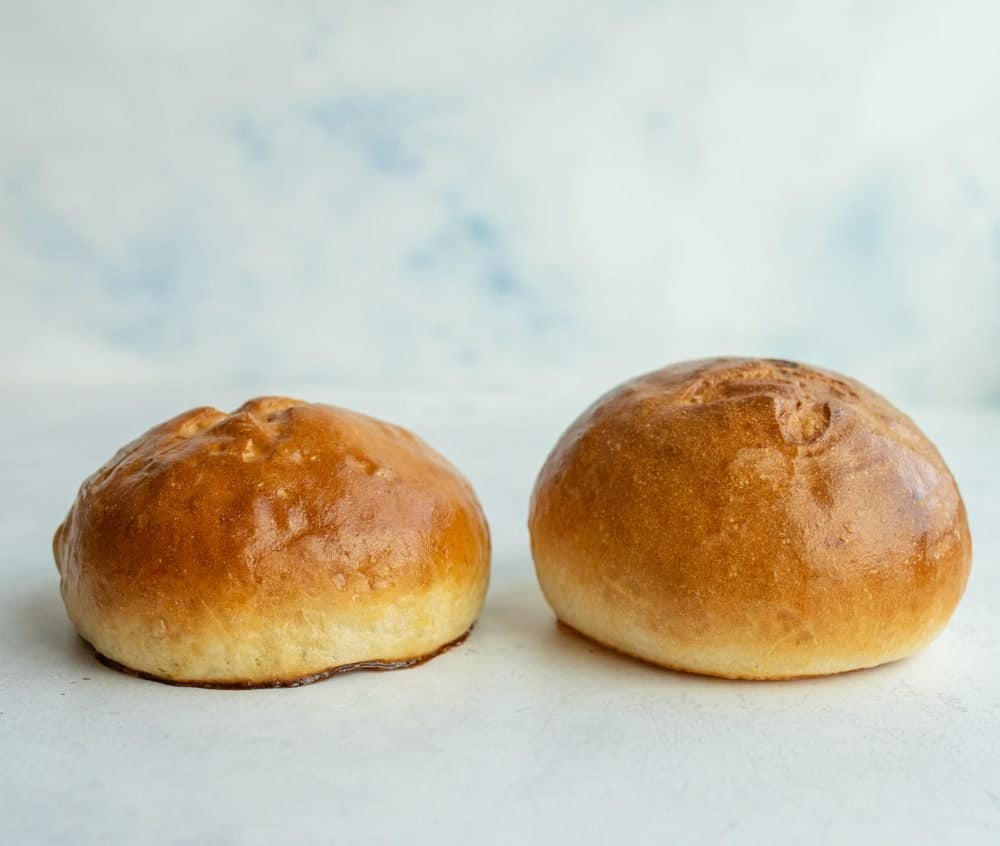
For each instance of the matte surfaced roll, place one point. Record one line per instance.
(750, 519)
(272, 546)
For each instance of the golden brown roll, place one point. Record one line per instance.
(751, 519)
(272, 546)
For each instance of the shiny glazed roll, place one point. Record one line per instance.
(750, 518)
(273, 546)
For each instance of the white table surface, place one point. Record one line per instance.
(524, 734)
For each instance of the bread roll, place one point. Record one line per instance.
(750, 518)
(272, 546)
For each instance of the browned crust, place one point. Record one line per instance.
(247, 534)
(402, 664)
(750, 518)
(277, 500)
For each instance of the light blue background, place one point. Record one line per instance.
(515, 197)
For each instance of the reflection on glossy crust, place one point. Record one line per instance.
(272, 543)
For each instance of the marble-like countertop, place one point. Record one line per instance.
(524, 734)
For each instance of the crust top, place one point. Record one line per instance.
(283, 537)
(750, 517)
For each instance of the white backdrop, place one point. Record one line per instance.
(530, 197)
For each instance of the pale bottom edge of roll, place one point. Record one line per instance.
(398, 664)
